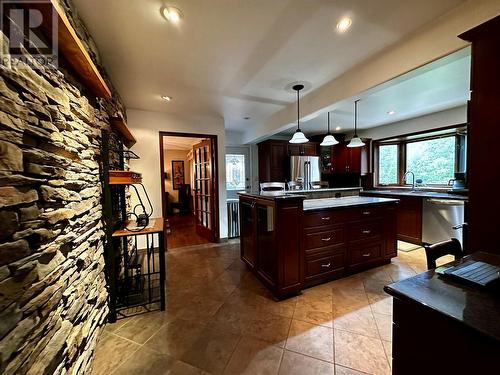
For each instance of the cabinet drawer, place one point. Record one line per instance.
(369, 212)
(366, 230)
(365, 253)
(323, 252)
(325, 265)
(326, 217)
(333, 236)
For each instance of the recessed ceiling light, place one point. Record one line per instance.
(391, 112)
(338, 128)
(172, 14)
(246, 118)
(166, 98)
(344, 24)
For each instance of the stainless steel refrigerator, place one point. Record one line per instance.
(305, 169)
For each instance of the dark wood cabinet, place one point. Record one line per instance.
(483, 134)
(342, 241)
(409, 219)
(305, 149)
(274, 156)
(350, 159)
(273, 250)
(407, 215)
(310, 149)
(463, 316)
(390, 223)
(273, 161)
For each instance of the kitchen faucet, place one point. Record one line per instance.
(413, 180)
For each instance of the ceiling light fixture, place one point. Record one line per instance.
(172, 14)
(329, 139)
(356, 141)
(391, 112)
(298, 136)
(166, 98)
(344, 24)
(338, 128)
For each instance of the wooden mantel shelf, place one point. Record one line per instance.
(72, 48)
(119, 124)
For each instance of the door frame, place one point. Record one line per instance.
(215, 156)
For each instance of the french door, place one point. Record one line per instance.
(204, 204)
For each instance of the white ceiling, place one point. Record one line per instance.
(235, 58)
(440, 85)
(179, 143)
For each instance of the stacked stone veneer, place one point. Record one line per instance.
(53, 298)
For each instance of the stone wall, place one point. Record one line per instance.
(53, 298)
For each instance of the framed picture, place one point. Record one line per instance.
(177, 173)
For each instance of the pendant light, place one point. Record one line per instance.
(356, 141)
(329, 139)
(298, 136)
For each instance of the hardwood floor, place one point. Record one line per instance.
(183, 232)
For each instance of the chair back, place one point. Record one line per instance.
(184, 192)
(440, 249)
(295, 185)
(272, 186)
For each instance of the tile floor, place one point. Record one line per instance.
(221, 320)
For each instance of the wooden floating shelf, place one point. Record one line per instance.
(124, 177)
(119, 124)
(155, 226)
(72, 48)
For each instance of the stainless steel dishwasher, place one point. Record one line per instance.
(439, 216)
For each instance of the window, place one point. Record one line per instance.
(433, 157)
(235, 172)
(433, 160)
(388, 164)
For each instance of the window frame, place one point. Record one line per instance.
(402, 142)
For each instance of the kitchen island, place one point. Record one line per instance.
(290, 242)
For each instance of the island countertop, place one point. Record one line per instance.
(319, 204)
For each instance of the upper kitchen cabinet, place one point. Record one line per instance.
(350, 159)
(306, 149)
(483, 134)
(273, 161)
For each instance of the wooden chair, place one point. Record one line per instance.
(440, 249)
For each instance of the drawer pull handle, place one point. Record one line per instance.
(325, 218)
(326, 239)
(366, 212)
(367, 231)
(326, 265)
(367, 255)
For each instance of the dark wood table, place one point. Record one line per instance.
(443, 326)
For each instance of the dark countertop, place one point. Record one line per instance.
(319, 204)
(420, 193)
(472, 306)
(323, 189)
(273, 195)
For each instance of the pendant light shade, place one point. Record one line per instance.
(329, 139)
(356, 141)
(298, 136)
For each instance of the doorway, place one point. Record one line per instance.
(189, 185)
